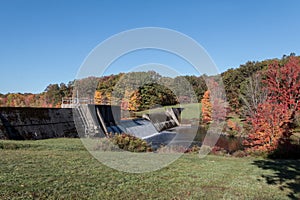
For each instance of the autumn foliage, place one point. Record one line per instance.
(272, 122)
(206, 108)
(134, 102)
(51, 97)
(102, 98)
(269, 126)
(233, 126)
(213, 104)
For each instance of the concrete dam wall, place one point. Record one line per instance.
(36, 123)
(84, 120)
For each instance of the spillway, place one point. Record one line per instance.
(106, 120)
(85, 120)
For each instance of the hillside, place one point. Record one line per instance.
(234, 82)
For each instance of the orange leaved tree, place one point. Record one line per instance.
(206, 108)
(271, 125)
(134, 103)
(213, 104)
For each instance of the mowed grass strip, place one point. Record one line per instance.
(63, 169)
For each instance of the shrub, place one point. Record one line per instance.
(130, 143)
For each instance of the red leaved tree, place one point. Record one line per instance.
(284, 85)
(271, 125)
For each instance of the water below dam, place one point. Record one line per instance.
(193, 136)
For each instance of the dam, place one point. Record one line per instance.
(102, 120)
(84, 120)
(18, 123)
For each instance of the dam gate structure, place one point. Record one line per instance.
(94, 120)
(105, 120)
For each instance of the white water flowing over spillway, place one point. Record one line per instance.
(141, 128)
(156, 128)
(144, 129)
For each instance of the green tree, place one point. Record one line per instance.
(155, 94)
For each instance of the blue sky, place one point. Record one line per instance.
(43, 41)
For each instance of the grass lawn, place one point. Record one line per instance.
(63, 169)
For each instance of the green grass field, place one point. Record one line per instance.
(63, 169)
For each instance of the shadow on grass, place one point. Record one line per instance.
(286, 175)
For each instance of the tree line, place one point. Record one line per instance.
(51, 97)
(149, 85)
(265, 95)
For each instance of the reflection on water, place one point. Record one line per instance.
(190, 136)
